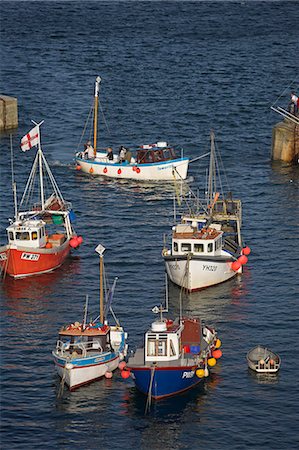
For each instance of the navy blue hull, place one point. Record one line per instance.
(164, 382)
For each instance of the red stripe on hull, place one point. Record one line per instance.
(19, 267)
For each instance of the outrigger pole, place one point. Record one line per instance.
(95, 125)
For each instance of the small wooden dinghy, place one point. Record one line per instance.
(262, 360)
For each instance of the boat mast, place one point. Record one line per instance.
(95, 124)
(100, 250)
(14, 184)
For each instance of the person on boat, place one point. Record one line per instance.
(89, 151)
(293, 105)
(122, 154)
(109, 154)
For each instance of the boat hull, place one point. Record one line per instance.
(25, 262)
(78, 372)
(163, 171)
(165, 381)
(262, 360)
(194, 273)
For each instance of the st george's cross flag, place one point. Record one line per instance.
(30, 139)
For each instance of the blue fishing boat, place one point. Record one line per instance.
(175, 356)
(90, 350)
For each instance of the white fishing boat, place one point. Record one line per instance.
(262, 360)
(88, 350)
(149, 162)
(41, 235)
(206, 245)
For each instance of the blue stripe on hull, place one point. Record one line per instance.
(166, 382)
(85, 362)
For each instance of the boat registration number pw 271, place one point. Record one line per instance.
(209, 268)
(30, 256)
(188, 374)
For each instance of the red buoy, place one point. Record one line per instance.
(243, 259)
(125, 374)
(246, 251)
(134, 168)
(137, 170)
(74, 242)
(217, 354)
(78, 167)
(91, 170)
(119, 171)
(236, 265)
(122, 365)
(105, 170)
(80, 240)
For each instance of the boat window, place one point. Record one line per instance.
(162, 347)
(151, 347)
(11, 236)
(172, 350)
(198, 248)
(218, 243)
(23, 236)
(210, 247)
(175, 246)
(34, 235)
(186, 247)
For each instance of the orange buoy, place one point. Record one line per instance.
(49, 245)
(236, 265)
(243, 259)
(246, 251)
(218, 343)
(91, 170)
(122, 365)
(119, 171)
(137, 170)
(78, 167)
(105, 170)
(217, 354)
(134, 168)
(80, 240)
(125, 374)
(74, 242)
(108, 374)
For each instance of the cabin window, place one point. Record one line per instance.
(11, 236)
(210, 247)
(34, 235)
(23, 236)
(175, 246)
(218, 244)
(151, 347)
(172, 350)
(162, 347)
(198, 248)
(186, 247)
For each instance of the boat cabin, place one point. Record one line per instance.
(28, 233)
(155, 153)
(75, 342)
(163, 341)
(197, 240)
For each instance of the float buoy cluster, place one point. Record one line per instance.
(136, 169)
(76, 241)
(211, 360)
(242, 260)
(124, 370)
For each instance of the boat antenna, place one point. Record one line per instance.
(40, 162)
(166, 292)
(14, 184)
(95, 124)
(100, 250)
(85, 313)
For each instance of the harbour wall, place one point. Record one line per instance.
(285, 142)
(8, 112)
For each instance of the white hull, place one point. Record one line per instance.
(77, 376)
(163, 171)
(200, 274)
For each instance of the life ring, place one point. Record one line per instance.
(105, 170)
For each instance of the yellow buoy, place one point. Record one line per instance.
(218, 343)
(212, 362)
(200, 373)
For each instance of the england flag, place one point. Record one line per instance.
(30, 139)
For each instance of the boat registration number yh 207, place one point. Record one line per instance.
(188, 374)
(30, 256)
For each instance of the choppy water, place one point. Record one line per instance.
(171, 71)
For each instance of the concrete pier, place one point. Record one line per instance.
(8, 112)
(285, 142)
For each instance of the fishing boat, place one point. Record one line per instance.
(262, 360)
(88, 350)
(176, 355)
(150, 162)
(41, 235)
(206, 244)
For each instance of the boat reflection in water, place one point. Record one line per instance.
(263, 378)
